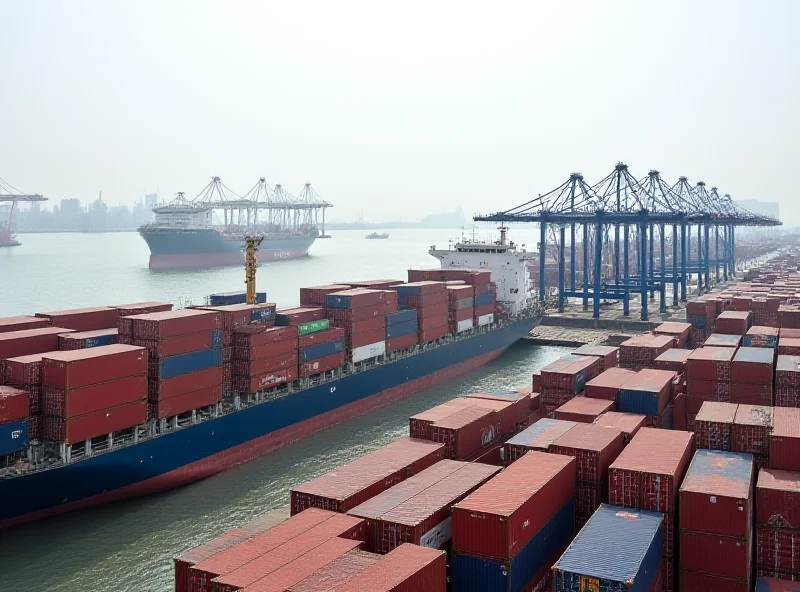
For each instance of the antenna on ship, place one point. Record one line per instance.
(251, 241)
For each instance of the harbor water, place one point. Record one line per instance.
(130, 545)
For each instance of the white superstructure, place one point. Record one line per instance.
(509, 267)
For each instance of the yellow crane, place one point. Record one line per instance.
(252, 242)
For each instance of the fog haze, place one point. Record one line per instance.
(401, 110)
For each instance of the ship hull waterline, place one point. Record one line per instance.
(199, 451)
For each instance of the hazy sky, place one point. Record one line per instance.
(397, 109)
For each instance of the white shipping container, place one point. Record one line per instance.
(486, 319)
(464, 325)
(365, 352)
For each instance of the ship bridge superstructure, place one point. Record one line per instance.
(635, 235)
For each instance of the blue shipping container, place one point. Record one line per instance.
(400, 317)
(216, 338)
(191, 362)
(260, 314)
(401, 329)
(102, 340)
(406, 290)
(13, 436)
(226, 298)
(321, 350)
(478, 574)
(618, 550)
(642, 402)
(772, 341)
(337, 301)
(484, 299)
(696, 321)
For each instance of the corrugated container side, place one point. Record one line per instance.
(14, 404)
(21, 323)
(778, 549)
(778, 499)
(186, 363)
(92, 425)
(81, 401)
(13, 436)
(164, 388)
(784, 450)
(717, 555)
(690, 581)
(187, 402)
(406, 569)
(74, 369)
(772, 585)
(540, 436)
(337, 573)
(595, 448)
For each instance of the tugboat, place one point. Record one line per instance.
(375, 235)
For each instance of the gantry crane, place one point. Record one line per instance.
(9, 193)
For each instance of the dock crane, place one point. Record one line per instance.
(9, 193)
(252, 242)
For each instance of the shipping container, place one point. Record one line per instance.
(13, 404)
(347, 486)
(723, 340)
(313, 326)
(23, 370)
(648, 473)
(337, 573)
(268, 350)
(420, 424)
(401, 342)
(608, 384)
(594, 447)
(751, 429)
(318, 366)
(789, 346)
(372, 284)
(285, 317)
(618, 550)
(356, 341)
(583, 409)
(778, 550)
(753, 365)
(717, 494)
(673, 359)
(315, 295)
(229, 298)
(267, 380)
(367, 352)
(784, 442)
(400, 317)
(355, 298)
(198, 399)
(691, 582)
(137, 308)
(21, 323)
(570, 373)
(734, 322)
(641, 350)
(627, 423)
(540, 436)
(331, 334)
(88, 399)
(30, 341)
(399, 330)
(466, 431)
(777, 500)
(180, 344)
(74, 369)
(607, 354)
(321, 350)
(99, 423)
(86, 339)
(486, 319)
(13, 436)
(521, 402)
(716, 555)
(237, 315)
(423, 517)
(710, 390)
(259, 335)
(772, 585)
(647, 392)
(678, 331)
(165, 388)
(761, 337)
(83, 319)
(179, 322)
(710, 363)
(408, 568)
(182, 364)
(498, 519)
(714, 425)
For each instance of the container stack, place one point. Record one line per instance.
(787, 381)
(701, 314)
(778, 524)
(362, 315)
(647, 476)
(789, 346)
(673, 359)
(540, 437)
(321, 348)
(752, 371)
(430, 300)
(595, 560)
(583, 409)
(723, 340)
(709, 374)
(751, 431)
(714, 426)
(89, 393)
(185, 359)
(608, 384)
(515, 404)
(680, 332)
(83, 319)
(565, 378)
(460, 308)
(716, 523)
(86, 339)
(21, 323)
(627, 423)
(649, 393)
(285, 317)
(509, 533)
(640, 352)
(372, 284)
(484, 304)
(345, 487)
(595, 448)
(13, 420)
(418, 510)
(761, 337)
(264, 357)
(30, 341)
(609, 356)
(126, 311)
(401, 330)
(784, 442)
(467, 431)
(314, 296)
(25, 373)
(732, 322)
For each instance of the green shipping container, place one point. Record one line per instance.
(313, 326)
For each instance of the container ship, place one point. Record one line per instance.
(106, 403)
(183, 234)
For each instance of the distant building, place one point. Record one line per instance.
(762, 208)
(150, 200)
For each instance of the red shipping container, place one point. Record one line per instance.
(177, 345)
(420, 424)
(84, 339)
(158, 325)
(583, 410)
(753, 365)
(710, 363)
(698, 582)
(714, 426)
(186, 402)
(723, 340)
(751, 429)
(362, 297)
(508, 414)
(327, 336)
(594, 447)
(457, 315)
(23, 370)
(788, 346)
(570, 373)
(778, 549)
(432, 334)
(265, 365)
(778, 499)
(751, 394)
(74, 369)
(137, 308)
(434, 299)
(237, 315)
(302, 314)
(83, 319)
(267, 351)
(401, 342)
(540, 436)
(717, 494)
(321, 365)
(315, 295)
(466, 432)
(717, 555)
(362, 339)
(424, 518)
(734, 322)
(640, 351)
(337, 573)
(21, 323)
(30, 341)
(679, 412)
(373, 284)
(678, 331)
(789, 333)
(165, 388)
(536, 381)
(345, 487)
(408, 568)
(521, 404)
(341, 317)
(432, 311)
(257, 335)
(648, 473)
(92, 425)
(484, 310)
(673, 359)
(498, 519)
(608, 355)
(608, 384)
(787, 371)
(656, 384)
(710, 390)
(784, 447)
(253, 384)
(627, 423)
(366, 326)
(88, 399)
(13, 404)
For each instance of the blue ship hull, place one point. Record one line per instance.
(191, 453)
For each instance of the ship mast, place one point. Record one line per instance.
(251, 241)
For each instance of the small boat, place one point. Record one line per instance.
(376, 235)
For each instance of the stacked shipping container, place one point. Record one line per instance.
(13, 420)
(402, 329)
(362, 315)
(708, 378)
(24, 373)
(649, 392)
(430, 300)
(778, 524)
(787, 381)
(565, 378)
(264, 357)
(640, 351)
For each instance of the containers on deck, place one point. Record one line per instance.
(86, 339)
(30, 341)
(640, 351)
(264, 357)
(608, 355)
(565, 378)
(540, 436)
(714, 425)
(751, 430)
(627, 423)
(723, 340)
(648, 392)
(83, 319)
(22, 323)
(583, 409)
(673, 359)
(406, 569)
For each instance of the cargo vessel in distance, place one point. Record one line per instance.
(184, 235)
(248, 421)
